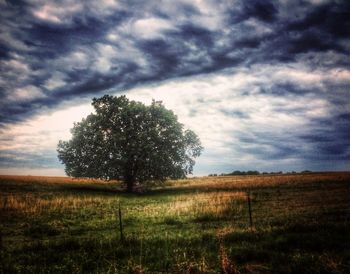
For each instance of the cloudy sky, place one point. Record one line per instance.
(265, 84)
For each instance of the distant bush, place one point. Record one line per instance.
(239, 173)
(255, 172)
(306, 171)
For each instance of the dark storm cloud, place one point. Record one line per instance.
(263, 10)
(331, 137)
(330, 18)
(319, 144)
(39, 39)
(54, 52)
(54, 40)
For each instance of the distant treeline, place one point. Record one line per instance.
(255, 172)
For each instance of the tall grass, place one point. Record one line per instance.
(198, 225)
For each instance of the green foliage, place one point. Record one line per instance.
(128, 140)
(238, 173)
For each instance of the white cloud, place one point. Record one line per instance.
(44, 131)
(103, 7)
(56, 12)
(211, 15)
(126, 50)
(259, 27)
(55, 81)
(26, 93)
(151, 28)
(15, 68)
(209, 105)
(104, 59)
(220, 108)
(63, 12)
(17, 65)
(80, 58)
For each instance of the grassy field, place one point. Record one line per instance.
(301, 224)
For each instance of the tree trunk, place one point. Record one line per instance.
(129, 186)
(130, 174)
(130, 181)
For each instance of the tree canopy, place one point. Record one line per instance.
(128, 140)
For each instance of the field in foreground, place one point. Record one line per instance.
(300, 223)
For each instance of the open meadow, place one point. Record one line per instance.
(299, 223)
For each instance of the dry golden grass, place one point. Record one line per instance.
(197, 225)
(50, 180)
(34, 205)
(219, 182)
(191, 205)
(236, 182)
(226, 265)
(216, 196)
(213, 203)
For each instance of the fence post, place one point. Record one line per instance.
(2, 254)
(250, 211)
(120, 224)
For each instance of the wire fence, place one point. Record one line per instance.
(252, 209)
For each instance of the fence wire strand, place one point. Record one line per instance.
(229, 207)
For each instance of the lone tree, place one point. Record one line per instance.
(128, 140)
